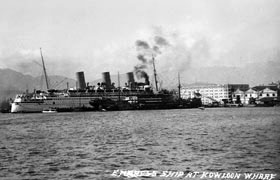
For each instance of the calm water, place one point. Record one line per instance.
(92, 145)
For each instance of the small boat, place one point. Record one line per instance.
(49, 110)
(201, 108)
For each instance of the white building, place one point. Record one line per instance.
(209, 92)
(238, 96)
(267, 92)
(253, 94)
(231, 93)
(267, 95)
(250, 94)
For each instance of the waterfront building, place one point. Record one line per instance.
(250, 96)
(267, 92)
(231, 93)
(210, 93)
(214, 93)
(238, 96)
(267, 95)
(255, 94)
(233, 88)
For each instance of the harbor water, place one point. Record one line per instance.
(100, 145)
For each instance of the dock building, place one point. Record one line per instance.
(214, 93)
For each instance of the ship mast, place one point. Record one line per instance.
(119, 87)
(179, 86)
(44, 68)
(155, 73)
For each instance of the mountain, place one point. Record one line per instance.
(13, 82)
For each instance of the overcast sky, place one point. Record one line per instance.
(100, 35)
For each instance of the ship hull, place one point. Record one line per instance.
(26, 108)
(60, 104)
(96, 103)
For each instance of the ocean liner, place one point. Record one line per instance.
(104, 96)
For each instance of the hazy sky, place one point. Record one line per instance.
(100, 35)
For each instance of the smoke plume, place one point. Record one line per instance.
(142, 44)
(161, 41)
(140, 69)
(140, 72)
(142, 58)
(146, 54)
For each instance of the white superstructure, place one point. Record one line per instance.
(24, 103)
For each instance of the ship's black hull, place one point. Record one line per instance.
(110, 105)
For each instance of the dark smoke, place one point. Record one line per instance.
(140, 73)
(142, 47)
(145, 50)
(142, 58)
(161, 41)
(140, 67)
(156, 50)
(142, 44)
(145, 75)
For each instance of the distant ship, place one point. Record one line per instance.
(103, 97)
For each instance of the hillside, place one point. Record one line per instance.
(13, 82)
